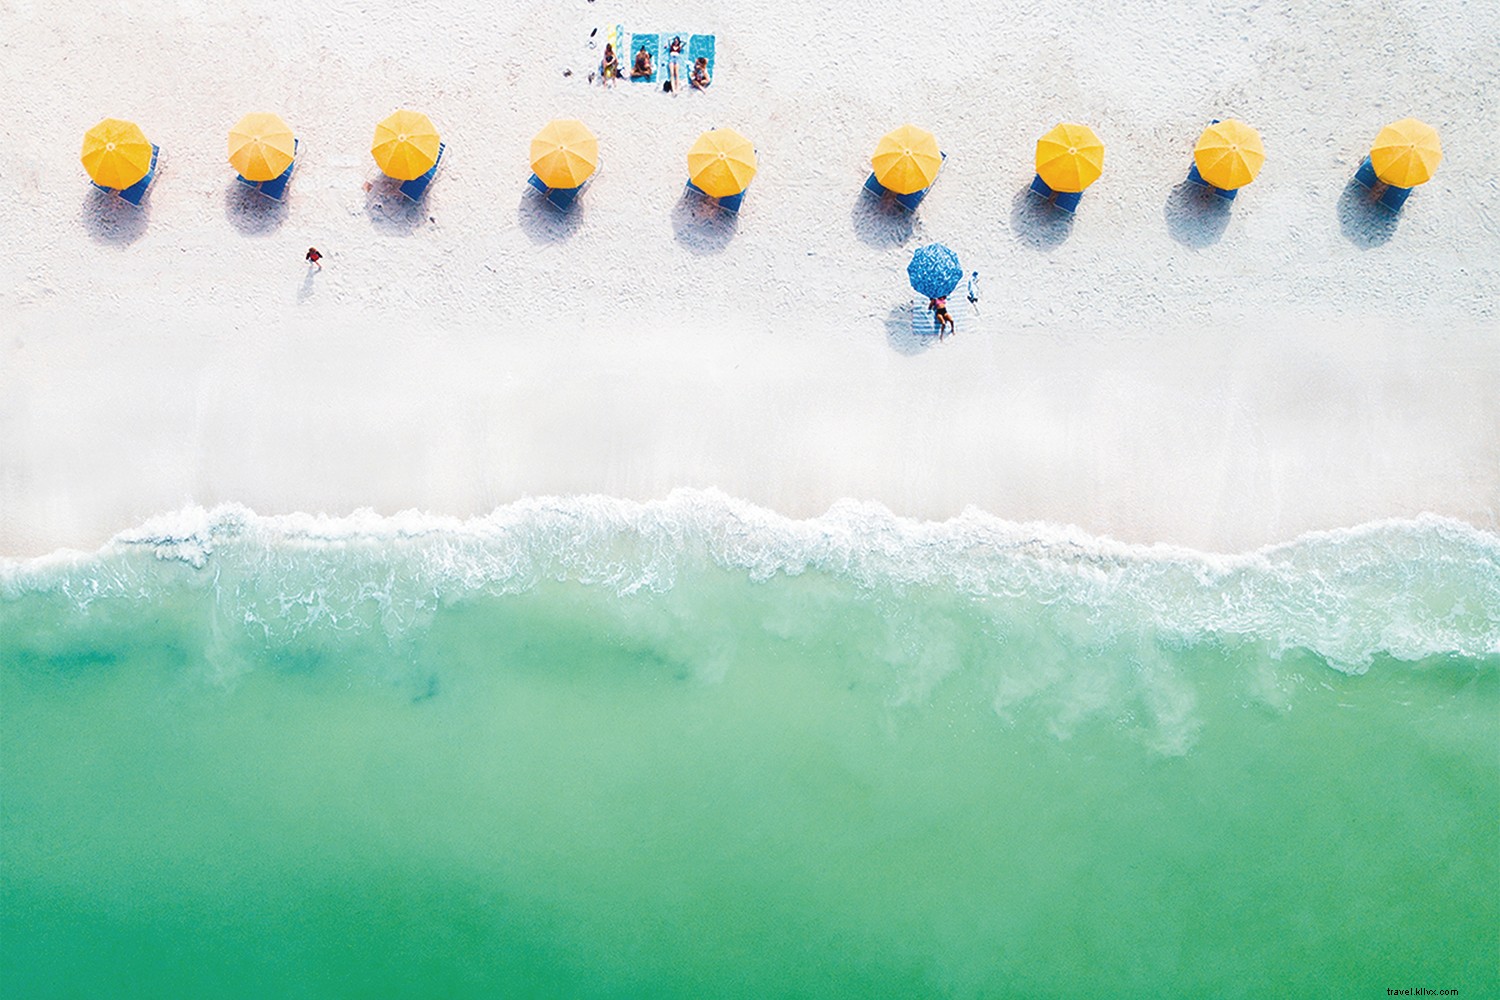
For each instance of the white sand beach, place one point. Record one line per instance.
(1159, 369)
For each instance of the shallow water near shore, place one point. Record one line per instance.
(594, 748)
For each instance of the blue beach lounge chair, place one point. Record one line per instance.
(906, 201)
(137, 191)
(652, 45)
(700, 47)
(1388, 195)
(559, 198)
(415, 189)
(274, 188)
(924, 321)
(1197, 178)
(1065, 200)
(729, 203)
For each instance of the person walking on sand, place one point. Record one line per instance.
(313, 257)
(974, 289)
(939, 309)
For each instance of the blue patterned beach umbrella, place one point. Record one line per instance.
(934, 271)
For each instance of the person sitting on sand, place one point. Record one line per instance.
(642, 66)
(939, 309)
(674, 63)
(609, 70)
(700, 79)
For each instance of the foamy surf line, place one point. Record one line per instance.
(1409, 589)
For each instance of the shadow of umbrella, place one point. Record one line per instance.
(1037, 223)
(110, 219)
(1196, 217)
(701, 226)
(543, 222)
(251, 212)
(390, 211)
(899, 333)
(880, 222)
(1366, 223)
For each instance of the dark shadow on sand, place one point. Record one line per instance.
(898, 332)
(251, 212)
(392, 212)
(109, 218)
(543, 222)
(306, 291)
(1038, 223)
(702, 226)
(1366, 223)
(880, 222)
(1196, 217)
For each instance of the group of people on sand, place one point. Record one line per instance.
(644, 67)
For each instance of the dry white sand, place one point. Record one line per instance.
(1155, 370)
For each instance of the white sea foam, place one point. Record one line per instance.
(1407, 588)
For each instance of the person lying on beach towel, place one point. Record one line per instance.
(674, 64)
(700, 78)
(642, 64)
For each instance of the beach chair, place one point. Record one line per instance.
(274, 188)
(1065, 200)
(1388, 195)
(1197, 178)
(415, 189)
(729, 203)
(559, 198)
(700, 47)
(906, 201)
(137, 191)
(1394, 197)
(652, 44)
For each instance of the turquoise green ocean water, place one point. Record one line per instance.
(594, 748)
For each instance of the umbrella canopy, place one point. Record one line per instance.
(116, 153)
(564, 153)
(261, 146)
(1069, 158)
(406, 145)
(934, 271)
(721, 163)
(1229, 154)
(1406, 153)
(907, 160)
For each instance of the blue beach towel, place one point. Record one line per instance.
(923, 320)
(652, 44)
(701, 46)
(274, 188)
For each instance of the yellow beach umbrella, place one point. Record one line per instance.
(1229, 154)
(116, 153)
(1069, 158)
(261, 146)
(721, 163)
(564, 153)
(406, 145)
(907, 160)
(1406, 153)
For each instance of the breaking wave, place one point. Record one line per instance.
(1409, 589)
